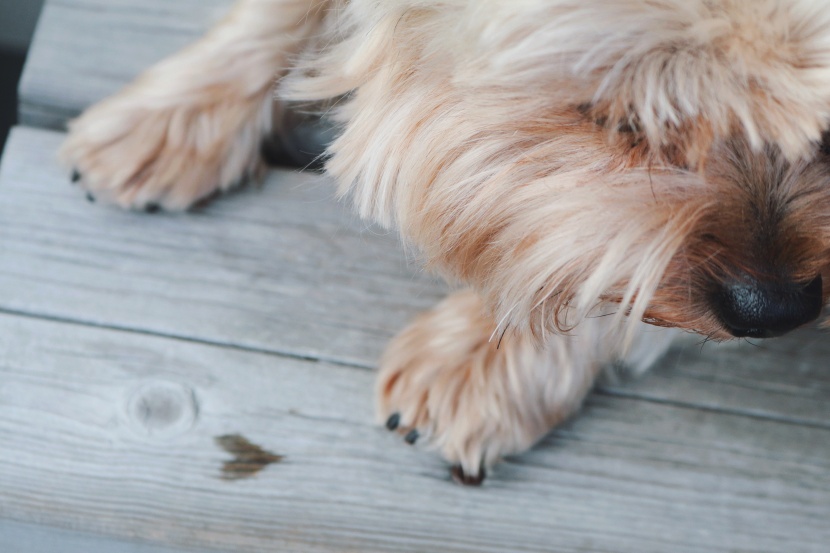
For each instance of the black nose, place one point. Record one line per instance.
(766, 309)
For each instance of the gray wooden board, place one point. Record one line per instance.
(786, 379)
(285, 269)
(16, 537)
(88, 445)
(84, 50)
(279, 268)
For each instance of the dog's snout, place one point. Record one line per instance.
(765, 309)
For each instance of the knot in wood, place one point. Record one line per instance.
(162, 409)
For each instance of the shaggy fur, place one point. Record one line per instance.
(562, 159)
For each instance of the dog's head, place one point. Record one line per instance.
(725, 105)
(662, 155)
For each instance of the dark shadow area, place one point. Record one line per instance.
(11, 65)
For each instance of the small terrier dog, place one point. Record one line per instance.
(589, 170)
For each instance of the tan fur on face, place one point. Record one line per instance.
(562, 158)
(471, 136)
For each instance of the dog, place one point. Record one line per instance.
(598, 177)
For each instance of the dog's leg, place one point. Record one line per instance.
(192, 124)
(476, 396)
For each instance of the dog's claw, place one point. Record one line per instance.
(393, 421)
(76, 176)
(90, 198)
(152, 208)
(459, 477)
(412, 437)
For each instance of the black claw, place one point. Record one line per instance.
(411, 437)
(393, 421)
(76, 176)
(90, 198)
(459, 477)
(152, 208)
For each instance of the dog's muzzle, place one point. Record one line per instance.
(766, 309)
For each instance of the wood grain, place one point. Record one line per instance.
(784, 379)
(16, 537)
(627, 476)
(280, 268)
(84, 50)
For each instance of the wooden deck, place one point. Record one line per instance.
(129, 343)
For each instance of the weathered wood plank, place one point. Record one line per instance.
(16, 537)
(785, 378)
(282, 268)
(113, 433)
(84, 50)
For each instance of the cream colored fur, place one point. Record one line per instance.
(561, 158)
(193, 124)
(477, 397)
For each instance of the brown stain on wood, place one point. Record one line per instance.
(248, 459)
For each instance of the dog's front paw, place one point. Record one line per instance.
(445, 383)
(138, 155)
